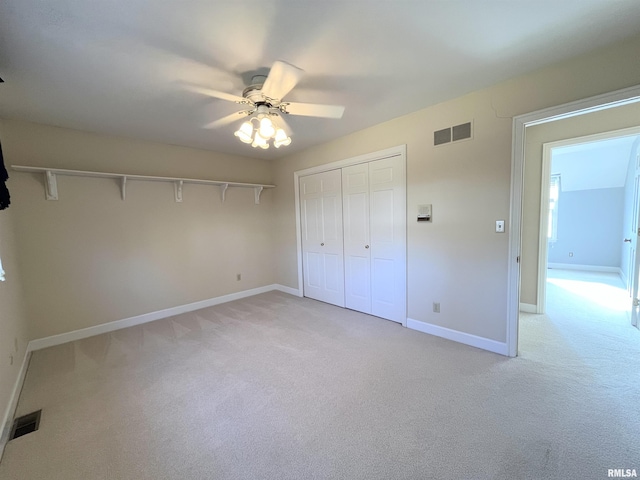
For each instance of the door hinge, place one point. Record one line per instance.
(518, 259)
(636, 302)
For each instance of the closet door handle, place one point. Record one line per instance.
(366, 246)
(322, 244)
(627, 240)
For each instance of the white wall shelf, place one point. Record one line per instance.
(51, 185)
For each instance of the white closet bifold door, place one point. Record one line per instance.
(357, 250)
(388, 238)
(322, 237)
(374, 207)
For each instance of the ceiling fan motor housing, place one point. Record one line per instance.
(253, 92)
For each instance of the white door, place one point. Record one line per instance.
(633, 251)
(374, 206)
(357, 251)
(388, 245)
(322, 238)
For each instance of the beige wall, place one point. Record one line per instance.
(91, 258)
(597, 122)
(458, 260)
(13, 321)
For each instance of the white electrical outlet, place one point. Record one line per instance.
(239, 277)
(436, 307)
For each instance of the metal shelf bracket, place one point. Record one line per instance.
(51, 190)
(257, 191)
(123, 187)
(178, 190)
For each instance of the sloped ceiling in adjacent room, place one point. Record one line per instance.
(593, 165)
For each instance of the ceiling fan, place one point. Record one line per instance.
(266, 107)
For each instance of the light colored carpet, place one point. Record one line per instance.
(278, 387)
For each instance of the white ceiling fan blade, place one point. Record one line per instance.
(282, 78)
(314, 110)
(221, 122)
(282, 123)
(215, 93)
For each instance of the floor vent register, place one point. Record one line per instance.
(25, 424)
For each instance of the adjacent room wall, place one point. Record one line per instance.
(13, 321)
(603, 121)
(458, 260)
(90, 257)
(589, 226)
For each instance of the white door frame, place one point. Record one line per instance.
(580, 107)
(400, 150)
(543, 245)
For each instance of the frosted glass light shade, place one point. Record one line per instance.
(259, 141)
(245, 132)
(281, 139)
(266, 128)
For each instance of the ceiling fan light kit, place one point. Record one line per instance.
(265, 96)
(260, 135)
(265, 130)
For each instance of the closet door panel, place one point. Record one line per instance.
(321, 224)
(357, 257)
(388, 238)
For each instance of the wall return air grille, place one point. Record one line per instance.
(452, 134)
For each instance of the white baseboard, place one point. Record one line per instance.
(460, 337)
(587, 268)
(289, 290)
(623, 277)
(73, 335)
(528, 308)
(7, 420)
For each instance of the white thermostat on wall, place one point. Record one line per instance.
(424, 213)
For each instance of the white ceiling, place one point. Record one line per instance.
(599, 164)
(116, 66)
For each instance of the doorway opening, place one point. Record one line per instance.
(520, 232)
(589, 208)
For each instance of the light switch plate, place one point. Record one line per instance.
(499, 226)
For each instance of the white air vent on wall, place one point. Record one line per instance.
(452, 134)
